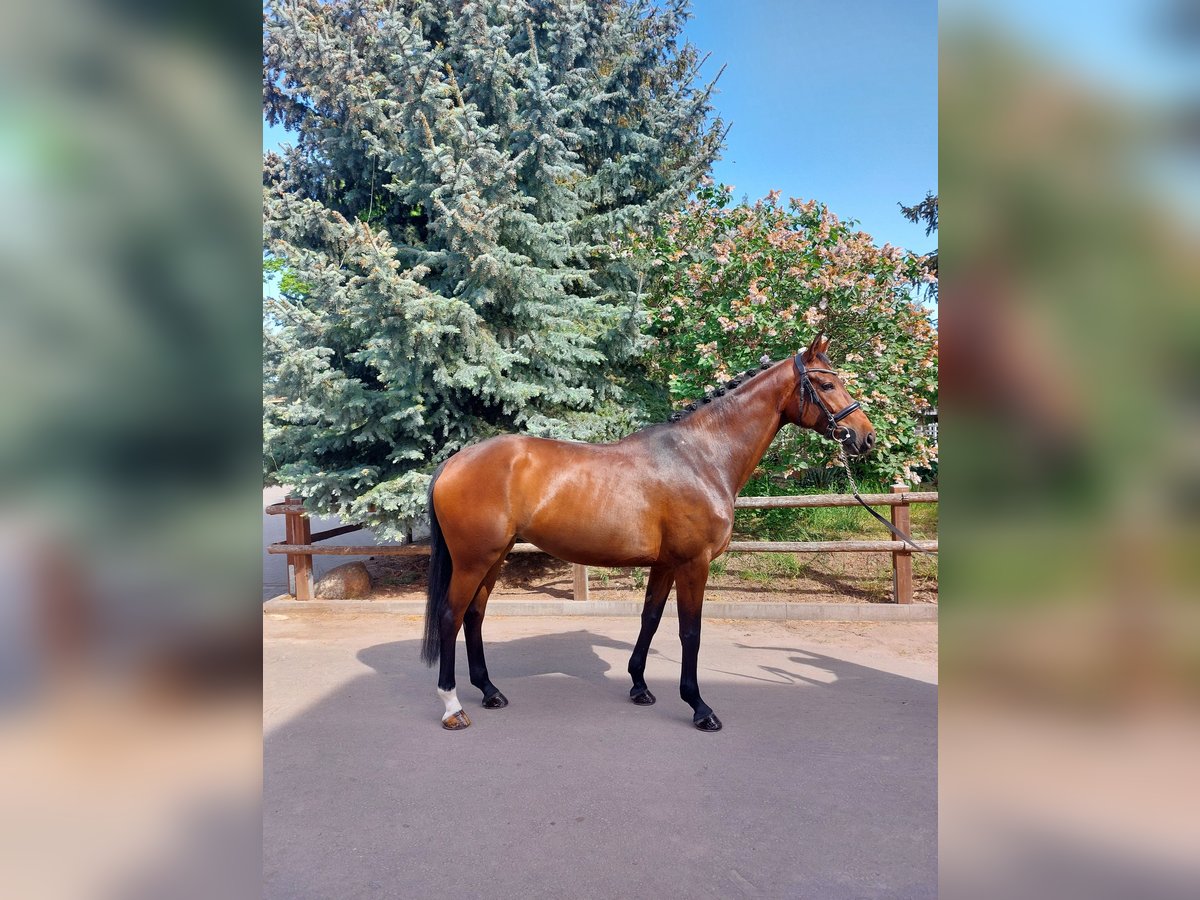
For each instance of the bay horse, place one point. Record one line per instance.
(661, 497)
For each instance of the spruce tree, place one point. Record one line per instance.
(446, 223)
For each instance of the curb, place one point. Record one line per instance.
(715, 609)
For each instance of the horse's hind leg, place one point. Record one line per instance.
(473, 630)
(658, 588)
(463, 586)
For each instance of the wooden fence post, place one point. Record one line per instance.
(902, 583)
(300, 568)
(581, 586)
(289, 530)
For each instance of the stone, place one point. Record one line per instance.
(351, 581)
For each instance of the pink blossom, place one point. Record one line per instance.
(755, 294)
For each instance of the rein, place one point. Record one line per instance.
(833, 418)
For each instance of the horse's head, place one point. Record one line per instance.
(822, 403)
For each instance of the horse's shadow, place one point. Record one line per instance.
(571, 653)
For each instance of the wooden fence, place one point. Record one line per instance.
(300, 543)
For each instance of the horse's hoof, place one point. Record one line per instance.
(456, 722)
(642, 698)
(496, 701)
(708, 723)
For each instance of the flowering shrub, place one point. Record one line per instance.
(731, 283)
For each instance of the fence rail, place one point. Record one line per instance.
(300, 543)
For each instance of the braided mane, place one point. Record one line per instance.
(720, 390)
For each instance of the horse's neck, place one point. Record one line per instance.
(732, 435)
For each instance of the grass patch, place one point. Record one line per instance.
(760, 577)
(760, 567)
(924, 520)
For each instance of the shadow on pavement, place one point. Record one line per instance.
(823, 783)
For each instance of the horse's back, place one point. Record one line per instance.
(511, 475)
(524, 471)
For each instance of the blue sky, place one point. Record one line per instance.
(834, 100)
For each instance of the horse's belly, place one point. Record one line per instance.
(592, 546)
(620, 532)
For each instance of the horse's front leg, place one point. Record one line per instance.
(690, 581)
(658, 588)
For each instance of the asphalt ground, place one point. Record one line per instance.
(822, 784)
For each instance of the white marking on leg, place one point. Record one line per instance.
(450, 698)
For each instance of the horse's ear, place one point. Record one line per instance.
(819, 345)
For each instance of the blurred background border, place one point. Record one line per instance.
(130, 251)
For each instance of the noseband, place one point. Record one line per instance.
(807, 391)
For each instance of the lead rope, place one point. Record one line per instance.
(888, 525)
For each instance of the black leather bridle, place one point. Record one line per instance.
(807, 391)
(834, 418)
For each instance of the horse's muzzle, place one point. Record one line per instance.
(855, 445)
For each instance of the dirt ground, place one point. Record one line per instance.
(891, 645)
(760, 577)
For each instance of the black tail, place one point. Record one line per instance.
(441, 566)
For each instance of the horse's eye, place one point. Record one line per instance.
(827, 386)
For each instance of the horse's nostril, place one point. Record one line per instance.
(869, 440)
